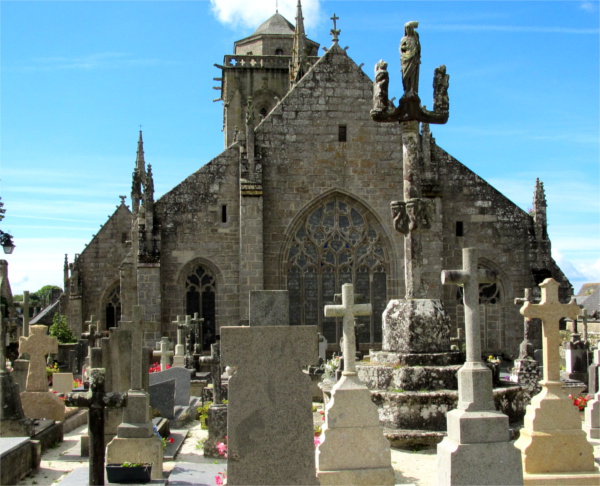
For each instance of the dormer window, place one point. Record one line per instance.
(279, 52)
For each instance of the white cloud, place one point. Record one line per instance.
(590, 7)
(253, 13)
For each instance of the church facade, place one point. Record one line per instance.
(299, 200)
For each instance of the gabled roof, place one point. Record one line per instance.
(277, 24)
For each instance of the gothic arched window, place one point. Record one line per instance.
(113, 307)
(337, 243)
(200, 291)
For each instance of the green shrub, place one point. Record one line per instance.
(61, 330)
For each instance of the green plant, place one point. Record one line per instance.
(133, 464)
(397, 390)
(61, 330)
(203, 415)
(51, 369)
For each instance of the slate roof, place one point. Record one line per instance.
(277, 24)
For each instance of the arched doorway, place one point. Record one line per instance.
(200, 293)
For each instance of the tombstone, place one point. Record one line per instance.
(37, 401)
(477, 449)
(526, 370)
(96, 400)
(322, 347)
(270, 423)
(182, 377)
(165, 353)
(577, 352)
(135, 440)
(62, 382)
(217, 411)
(192, 330)
(353, 449)
(13, 422)
(182, 328)
(551, 421)
(594, 373)
(458, 341)
(162, 397)
(591, 423)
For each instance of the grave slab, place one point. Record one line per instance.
(182, 378)
(192, 474)
(162, 398)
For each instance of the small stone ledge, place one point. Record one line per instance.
(391, 358)
(413, 439)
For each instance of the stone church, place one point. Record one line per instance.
(299, 199)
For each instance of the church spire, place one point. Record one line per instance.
(539, 212)
(139, 175)
(299, 58)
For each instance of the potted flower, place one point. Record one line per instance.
(129, 472)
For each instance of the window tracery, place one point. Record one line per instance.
(337, 243)
(200, 292)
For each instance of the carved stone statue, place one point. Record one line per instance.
(380, 88)
(399, 216)
(410, 57)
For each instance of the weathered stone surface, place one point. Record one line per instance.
(416, 326)
(270, 427)
(62, 382)
(182, 378)
(409, 378)
(37, 405)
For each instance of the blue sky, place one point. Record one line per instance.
(79, 78)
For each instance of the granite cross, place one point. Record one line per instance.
(38, 345)
(526, 347)
(196, 323)
(414, 213)
(215, 370)
(584, 324)
(469, 277)
(96, 400)
(348, 310)
(92, 335)
(137, 327)
(550, 311)
(165, 353)
(181, 327)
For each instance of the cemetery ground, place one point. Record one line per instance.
(418, 466)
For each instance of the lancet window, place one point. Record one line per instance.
(113, 307)
(337, 243)
(200, 292)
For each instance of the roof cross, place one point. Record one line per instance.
(335, 32)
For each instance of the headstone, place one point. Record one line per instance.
(162, 397)
(182, 327)
(217, 411)
(551, 421)
(12, 419)
(477, 449)
(591, 423)
(37, 401)
(96, 400)
(594, 373)
(322, 347)
(135, 441)
(270, 424)
(164, 353)
(62, 382)
(25, 308)
(526, 370)
(577, 353)
(353, 449)
(182, 377)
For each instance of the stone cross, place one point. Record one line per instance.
(414, 212)
(92, 335)
(181, 327)
(469, 277)
(96, 400)
(38, 345)
(215, 370)
(550, 311)
(459, 339)
(526, 347)
(137, 327)
(196, 323)
(165, 353)
(348, 310)
(584, 324)
(335, 32)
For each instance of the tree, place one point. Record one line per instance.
(61, 330)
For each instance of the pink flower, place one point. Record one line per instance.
(218, 480)
(317, 441)
(222, 448)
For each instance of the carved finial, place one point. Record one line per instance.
(335, 32)
(123, 199)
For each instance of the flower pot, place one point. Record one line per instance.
(117, 473)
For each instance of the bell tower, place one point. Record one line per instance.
(260, 69)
